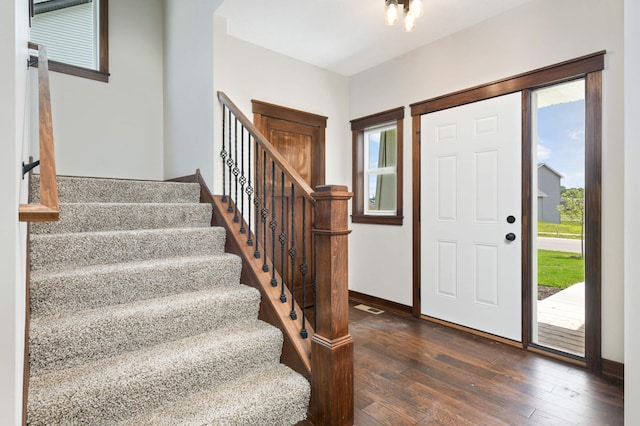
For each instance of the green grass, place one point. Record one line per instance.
(559, 269)
(566, 229)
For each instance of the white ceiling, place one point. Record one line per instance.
(348, 36)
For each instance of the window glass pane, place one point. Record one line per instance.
(68, 29)
(382, 148)
(381, 193)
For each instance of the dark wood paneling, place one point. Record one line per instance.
(376, 302)
(552, 74)
(593, 241)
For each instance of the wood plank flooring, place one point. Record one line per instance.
(412, 372)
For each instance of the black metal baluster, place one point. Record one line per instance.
(304, 268)
(249, 189)
(229, 164)
(236, 172)
(265, 212)
(293, 254)
(257, 201)
(273, 225)
(242, 180)
(223, 154)
(283, 239)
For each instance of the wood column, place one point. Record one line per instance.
(332, 345)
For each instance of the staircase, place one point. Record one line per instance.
(138, 316)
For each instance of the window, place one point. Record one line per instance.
(377, 168)
(75, 34)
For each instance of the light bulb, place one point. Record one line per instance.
(409, 22)
(416, 9)
(391, 15)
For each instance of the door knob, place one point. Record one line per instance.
(511, 219)
(510, 236)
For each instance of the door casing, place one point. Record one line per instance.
(590, 68)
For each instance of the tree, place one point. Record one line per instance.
(572, 205)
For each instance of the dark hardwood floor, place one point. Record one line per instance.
(412, 372)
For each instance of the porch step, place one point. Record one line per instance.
(122, 387)
(57, 252)
(100, 217)
(60, 292)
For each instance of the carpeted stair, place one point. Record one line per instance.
(138, 316)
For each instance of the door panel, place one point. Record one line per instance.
(471, 182)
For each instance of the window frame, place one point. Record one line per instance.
(359, 126)
(101, 74)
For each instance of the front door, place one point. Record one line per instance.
(471, 215)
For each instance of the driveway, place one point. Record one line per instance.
(559, 244)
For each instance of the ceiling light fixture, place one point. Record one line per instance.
(412, 9)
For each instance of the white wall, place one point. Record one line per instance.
(188, 88)
(13, 134)
(245, 71)
(631, 209)
(115, 129)
(534, 35)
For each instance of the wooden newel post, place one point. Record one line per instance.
(332, 345)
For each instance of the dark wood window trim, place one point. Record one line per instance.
(101, 74)
(358, 127)
(590, 68)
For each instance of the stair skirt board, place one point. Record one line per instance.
(138, 316)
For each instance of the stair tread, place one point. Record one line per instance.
(84, 189)
(94, 217)
(63, 341)
(94, 286)
(123, 386)
(274, 396)
(70, 250)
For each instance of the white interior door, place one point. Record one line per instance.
(470, 186)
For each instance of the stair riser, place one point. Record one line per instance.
(66, 251)
(60, 293)
(91, 336)
(87, 190)
(122, 217)
(147, 383)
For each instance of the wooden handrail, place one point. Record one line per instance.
(48, 209)
(271, 151)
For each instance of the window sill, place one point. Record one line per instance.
(77, 71)
(377, 220)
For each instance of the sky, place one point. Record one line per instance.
(561, 141)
